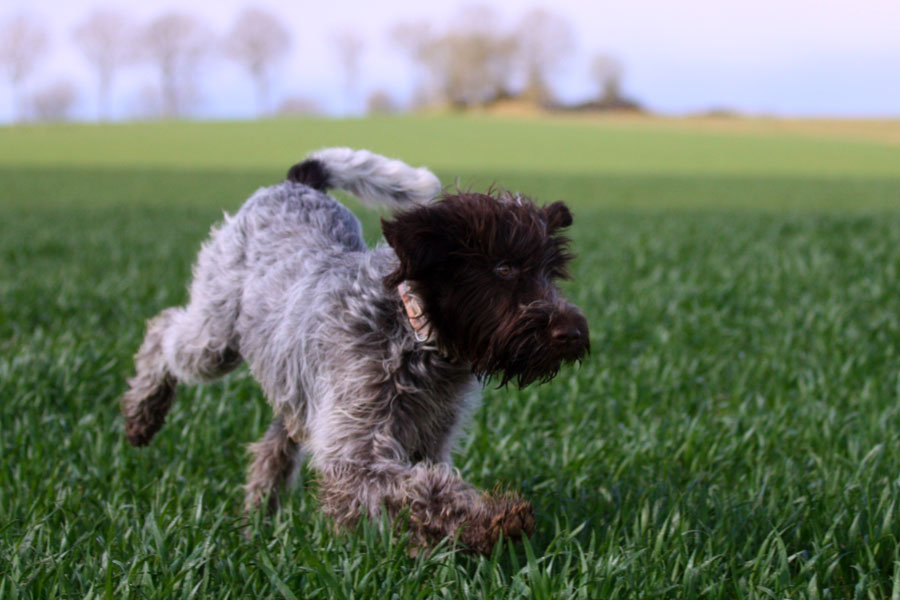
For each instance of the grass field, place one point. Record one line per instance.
(734, 433)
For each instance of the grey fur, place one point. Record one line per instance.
(375, 179)
(289, 286)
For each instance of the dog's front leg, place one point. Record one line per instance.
(439, 503)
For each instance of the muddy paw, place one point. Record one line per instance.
(509, 516)
(515, 520)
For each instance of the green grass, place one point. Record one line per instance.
(733, 434)
(455, 144)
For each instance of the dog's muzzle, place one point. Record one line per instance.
(568, 332)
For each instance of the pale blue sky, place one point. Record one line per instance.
(786, 57)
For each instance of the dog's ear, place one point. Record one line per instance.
(418, 243)
(557, 216)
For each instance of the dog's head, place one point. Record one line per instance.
(485, 267)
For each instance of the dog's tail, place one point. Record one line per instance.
(372, 178)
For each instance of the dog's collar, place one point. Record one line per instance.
(415, 313)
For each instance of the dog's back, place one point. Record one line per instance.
(297, 215)
(284, 249)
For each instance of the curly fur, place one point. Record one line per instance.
(289, 286)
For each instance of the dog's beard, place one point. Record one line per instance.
(521, 350)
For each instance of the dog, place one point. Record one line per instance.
(371, 359)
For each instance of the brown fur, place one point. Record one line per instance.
(517, 326)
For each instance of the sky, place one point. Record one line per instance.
(819, 58)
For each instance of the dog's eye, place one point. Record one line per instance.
(505, 271)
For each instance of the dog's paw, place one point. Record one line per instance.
(517, 519)
(510, 517)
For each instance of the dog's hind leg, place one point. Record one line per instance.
(176, 348)
(152, 389)
(193, 344)
(275, 458)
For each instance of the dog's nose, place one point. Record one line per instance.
(566, 334)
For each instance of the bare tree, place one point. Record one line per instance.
(23, 42)
(606, 71)
(54, 102)
(380, 102)
(468, 64)
(257, 41)
(176, 44)
(105, 39)
(349, 48)
(411, 38)
(298, 106)
(545, 41)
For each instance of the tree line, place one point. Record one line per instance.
(469, 61)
